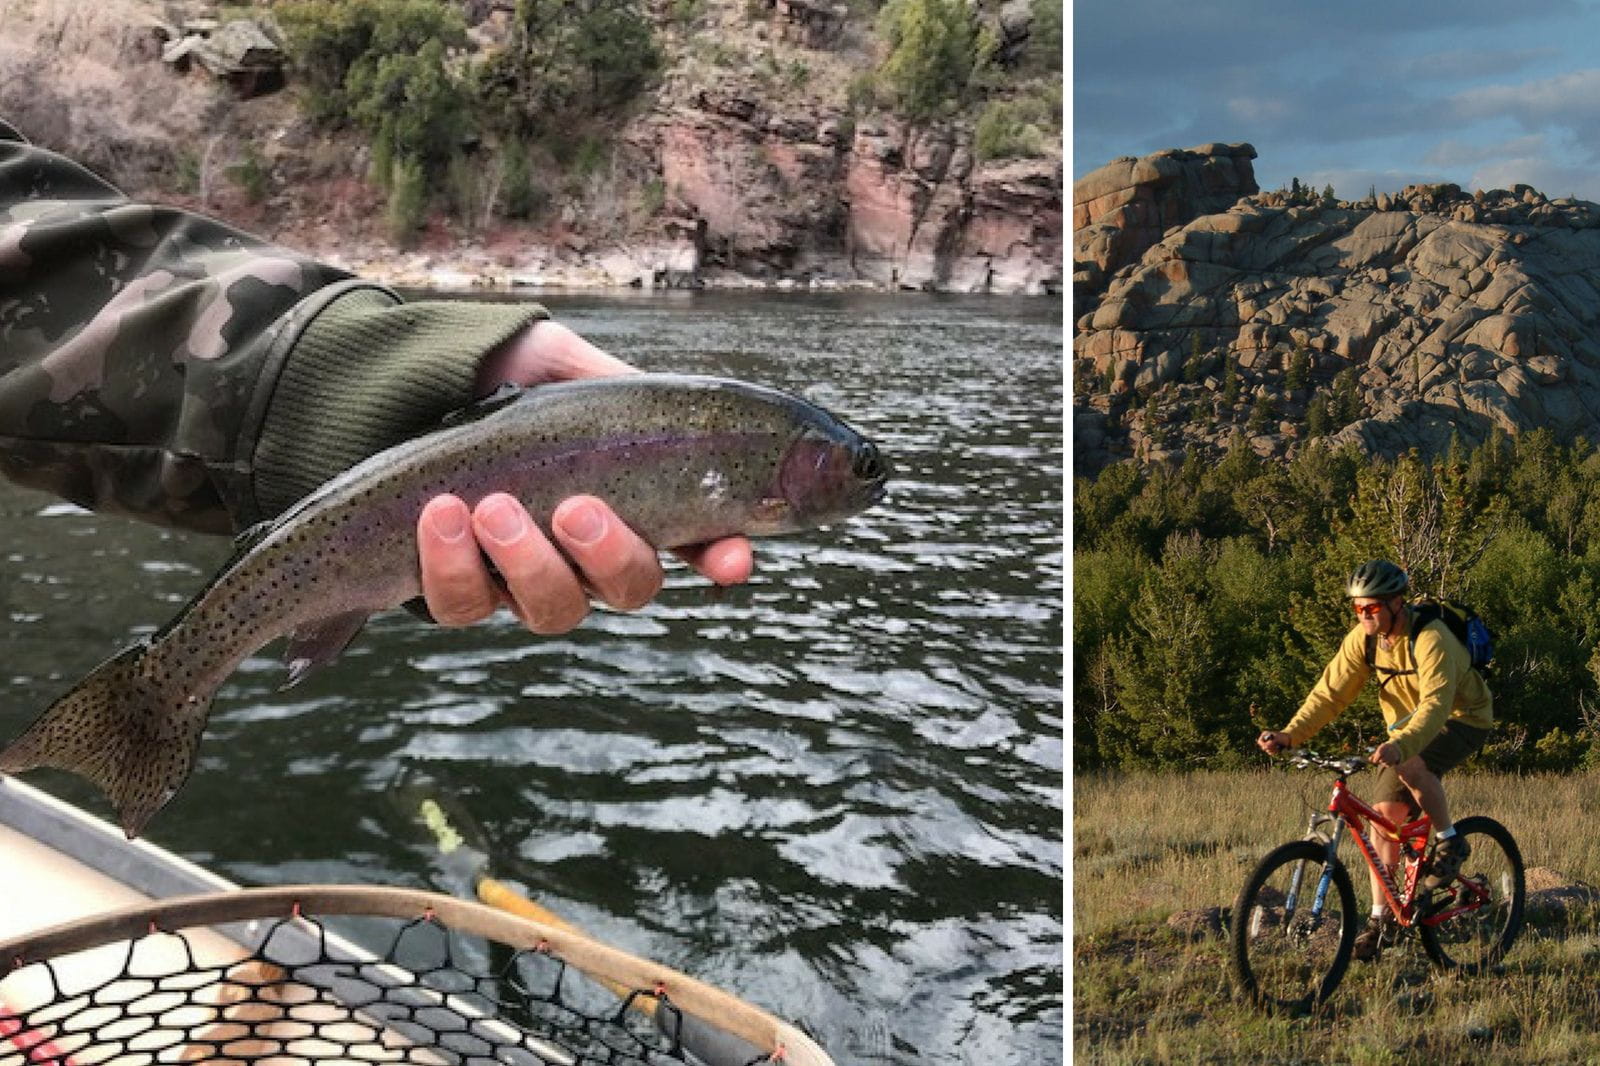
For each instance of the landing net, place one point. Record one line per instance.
(258, 977)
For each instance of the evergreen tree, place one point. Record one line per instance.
(516, 176)
(1318, 421)
(413, 104)
(1261, 412)
(1230, 382)
(1347, 404)
(408, 201)
(1045, 36)
(935, 48)
(1194, 366)
(1299, 369)
(334, 47)
(564, 60)
(1173, 700)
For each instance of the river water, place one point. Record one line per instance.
(835, 791)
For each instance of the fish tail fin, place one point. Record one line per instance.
(119, 730)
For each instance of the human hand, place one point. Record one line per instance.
(548, 590)
(1387, 754)
(1272, 743)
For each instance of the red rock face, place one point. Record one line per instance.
(781, 196)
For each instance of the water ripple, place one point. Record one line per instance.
(836, 790)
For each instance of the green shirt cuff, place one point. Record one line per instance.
(367, 373)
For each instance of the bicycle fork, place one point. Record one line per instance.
(1319, 899)
(1325, 881)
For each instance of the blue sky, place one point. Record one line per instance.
(1483, 93)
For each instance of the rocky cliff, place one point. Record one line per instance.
(1127, 205)
(790, 191)
(745, 163)
(1394, 323)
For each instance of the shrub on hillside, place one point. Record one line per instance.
(566, 60)
(520, 195)
(1021, 128)
(935, 49)
(408, 202)
(412, 106)
(335, 46)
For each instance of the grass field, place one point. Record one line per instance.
(1149, 987)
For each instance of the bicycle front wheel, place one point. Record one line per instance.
(1294, 925)
(1488, 896)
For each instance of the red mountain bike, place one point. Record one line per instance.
(1294, 923)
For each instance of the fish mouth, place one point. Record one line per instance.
(871, 469)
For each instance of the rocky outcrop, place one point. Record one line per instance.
(1392, 323)
(1127, 205)
(798, 194)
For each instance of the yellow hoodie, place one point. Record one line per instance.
(1415, 705)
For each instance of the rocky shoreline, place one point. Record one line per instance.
(624, 268)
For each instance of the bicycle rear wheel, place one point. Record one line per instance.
(1290, 948)
(1477, 939)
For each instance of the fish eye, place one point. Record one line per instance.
(868, 464)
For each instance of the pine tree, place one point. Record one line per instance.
(1299, 370)
(408, 201)
(1230, 383)
(1194, 366)
(1347, 405)
(1261, 413)
(1318, 421)
(935, 49)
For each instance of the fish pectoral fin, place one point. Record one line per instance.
(319, 643)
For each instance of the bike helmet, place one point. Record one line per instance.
(1379, 580)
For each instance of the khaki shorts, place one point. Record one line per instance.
(1455, 743)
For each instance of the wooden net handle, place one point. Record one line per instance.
(608, 965)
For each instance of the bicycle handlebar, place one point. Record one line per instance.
(1343, 765)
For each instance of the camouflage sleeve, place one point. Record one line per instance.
(161, 364)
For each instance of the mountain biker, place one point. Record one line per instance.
(1437, 709)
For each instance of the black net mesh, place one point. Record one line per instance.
(302, 995)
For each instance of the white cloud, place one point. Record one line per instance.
(1358, 94)
(1552, 177)
(1454, 153)
(1464, 64)
(1564, 97)
(1274, 109)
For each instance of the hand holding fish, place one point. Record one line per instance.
(547, 585)
(688, 461)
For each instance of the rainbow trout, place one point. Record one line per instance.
(682, 460)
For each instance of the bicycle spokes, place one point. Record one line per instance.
(1293, 926)
(1474, 919)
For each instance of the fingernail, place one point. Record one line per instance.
(450, 523)
(583, 524)
(502, 521)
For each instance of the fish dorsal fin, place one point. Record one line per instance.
(505, 394)
(319, 643)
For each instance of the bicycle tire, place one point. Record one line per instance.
(1292, 960)
(1477, 941)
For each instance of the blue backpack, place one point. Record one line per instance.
(1461, 620)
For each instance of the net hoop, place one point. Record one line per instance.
(780, 1041)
